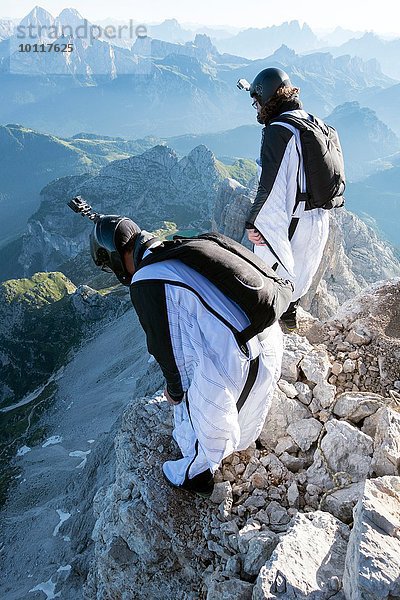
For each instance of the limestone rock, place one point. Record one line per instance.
(221, 492)
(386, 457)
(341, 503)
(282, 412)
(245, 535)
(286, 444)
(293, 495)
(349, 366)
(259, 551)
(372, 567)
(346, 450)
(299, 568)
(358, 338)
(356, 406)
(304, 392)
(231, 589)
(337, 368)
(315, 366)
(142, 548)
(278, 516)
(231, 208)
(287, 388)
(370, 424)
(324, 394)
(295, 348)
(305, 432)
(293, 463)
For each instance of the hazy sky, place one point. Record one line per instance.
(382, 16)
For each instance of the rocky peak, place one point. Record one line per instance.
(152, 187)
(284, 54)
(71, 17)
(202, 40)
(160, 154)
(172, 23)
(38, 17)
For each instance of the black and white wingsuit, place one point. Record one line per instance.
(185, 317)
(281, 174)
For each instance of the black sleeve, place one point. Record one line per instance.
(275, 141)
(148, 298)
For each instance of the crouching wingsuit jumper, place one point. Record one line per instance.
(184, 315)
(220, 387)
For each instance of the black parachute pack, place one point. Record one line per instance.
(323, 162)
(236, 271)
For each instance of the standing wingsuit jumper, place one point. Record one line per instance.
(219, 404)
(287, 237)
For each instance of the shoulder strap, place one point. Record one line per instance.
(298, 122)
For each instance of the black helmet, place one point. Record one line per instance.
(110, 235)
(267, 82)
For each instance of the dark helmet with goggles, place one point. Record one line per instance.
(265, 84)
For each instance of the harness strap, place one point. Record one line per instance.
(250, 381)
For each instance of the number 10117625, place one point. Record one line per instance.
(45, 48)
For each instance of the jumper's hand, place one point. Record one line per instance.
(255, 237)
(171, 400)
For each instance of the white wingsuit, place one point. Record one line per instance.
(210, 366)
(281, 173)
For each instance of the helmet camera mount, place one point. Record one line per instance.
(78, 205)
(243, 84)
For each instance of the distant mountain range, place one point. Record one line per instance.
(364, 138)
(187, 97)
(340, 36)
(324, 81)
(370, 45)
(257, 43)
(162, 88)
(241, 141)
(32, 159)
(189, 88)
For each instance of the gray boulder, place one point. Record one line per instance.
(300, 568)
(345, 453)
(260, 549)
(295, 348)
(315, 366)
(341, 503)
(386, 458)
(356, 406)
(305, 432)
(231, 589)
(372, 567)
(282, 413)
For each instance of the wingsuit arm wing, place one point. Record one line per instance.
(148, 299)
(274, 145)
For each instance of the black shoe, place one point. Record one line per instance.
(289, 317)
(201, 484)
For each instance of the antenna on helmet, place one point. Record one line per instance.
(79, 205)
